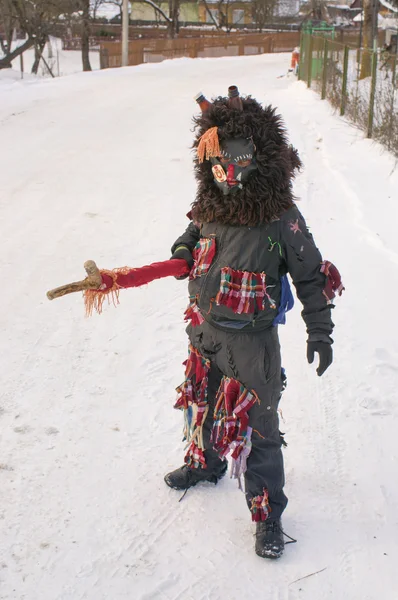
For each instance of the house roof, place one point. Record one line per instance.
(389, 6)
(385, 3)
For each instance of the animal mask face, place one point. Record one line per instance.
(232, 168)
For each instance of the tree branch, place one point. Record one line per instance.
(157, 9)
(5, 62)
(211, 15)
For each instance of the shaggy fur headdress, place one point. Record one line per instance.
(268, 192)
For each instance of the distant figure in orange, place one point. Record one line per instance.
(295, 61)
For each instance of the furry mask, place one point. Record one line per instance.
(267, 191)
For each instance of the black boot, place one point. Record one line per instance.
(185, 477)
(269, 539)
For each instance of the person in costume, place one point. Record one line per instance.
(244, 236)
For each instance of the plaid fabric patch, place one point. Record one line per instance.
(203, 255)
(192, 399)
(231, 431)
(260, 507)
(243, 291)
(195, 457)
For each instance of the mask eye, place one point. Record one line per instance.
(244, 163)
(224, 160)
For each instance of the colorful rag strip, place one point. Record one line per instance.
(333, 281)
(193, 313)
(231, 431)
(243, 292)
(240, 449)
(203, 255)
(192, 399)
(260, 507)
(195, 457)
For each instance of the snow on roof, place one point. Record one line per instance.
(339, 6)
(359, 18)
(389, 6)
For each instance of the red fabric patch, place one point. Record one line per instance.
(231, 174)
(193, 314)
(333, 281)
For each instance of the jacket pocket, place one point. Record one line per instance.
(203, 255)
(243, 292)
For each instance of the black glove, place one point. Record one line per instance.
(325, 355)
(185, 253)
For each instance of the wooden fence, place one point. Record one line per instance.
(157, 50)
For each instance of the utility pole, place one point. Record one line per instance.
(375, 23)
(125, 34)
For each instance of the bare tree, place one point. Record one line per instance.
(85, 34)
(94, 6)
(9, 23)
(211, 15)
(224, 19)
(37, 19)
(119, 4)
(263, 12)
(158, 10)
(172, 19)
(368, 15)
(317, 9)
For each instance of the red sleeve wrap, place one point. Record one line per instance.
(125, 277)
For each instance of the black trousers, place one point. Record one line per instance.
(254, 360)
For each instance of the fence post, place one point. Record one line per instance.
(372, 94)
(309, 63)
(301, 57)
(345, 78)
(104, 58)
(392, 114)
(193, 51)
(325, 67)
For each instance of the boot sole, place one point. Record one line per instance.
(271, 555)
(213, 479)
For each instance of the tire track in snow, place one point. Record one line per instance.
(327, 447)
(334, 454)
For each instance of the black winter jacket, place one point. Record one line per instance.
(237, 273)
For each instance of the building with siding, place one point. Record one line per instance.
(238, 12)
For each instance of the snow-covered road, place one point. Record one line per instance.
(98, 166)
